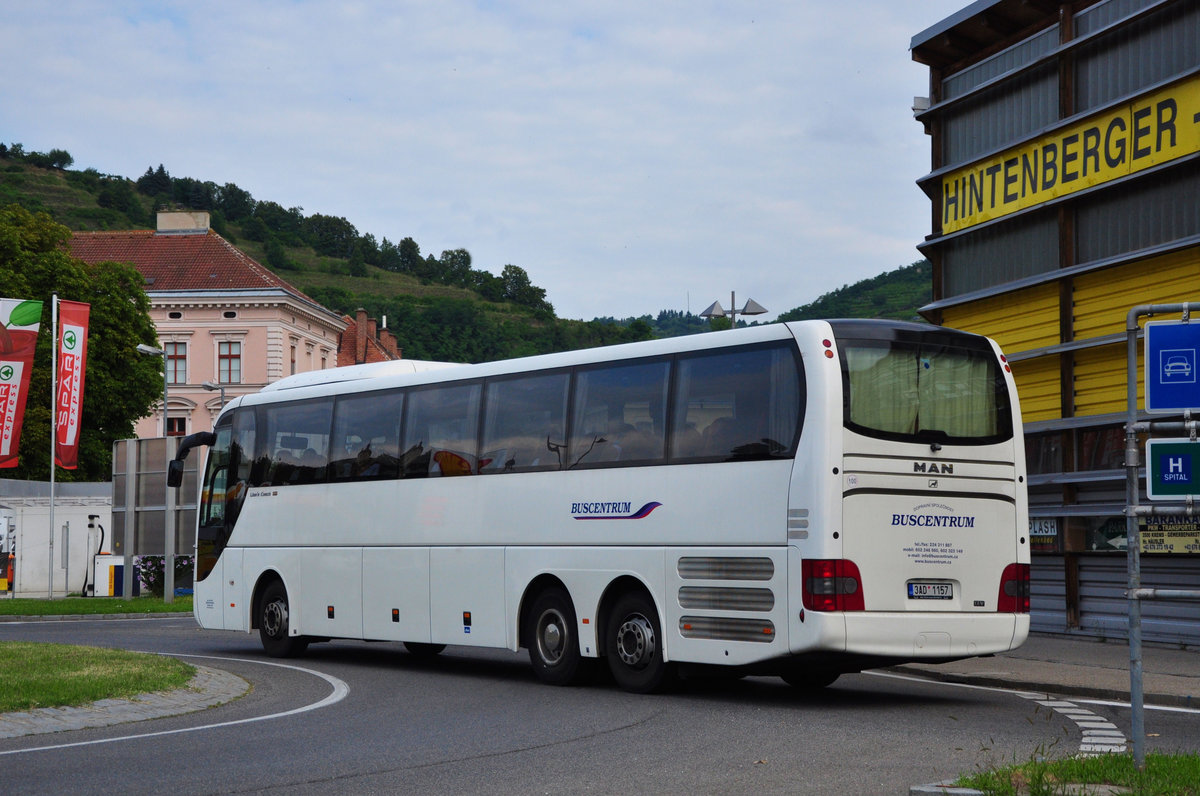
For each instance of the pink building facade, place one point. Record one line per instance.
(223, 319)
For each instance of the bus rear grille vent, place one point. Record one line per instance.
(724, 629)
(722, 568)
(723, 598)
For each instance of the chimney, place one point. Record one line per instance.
(389, 343)
(360, 332)
(182, 222)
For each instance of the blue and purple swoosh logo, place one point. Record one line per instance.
(611, 511)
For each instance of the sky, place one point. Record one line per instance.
(630, 156)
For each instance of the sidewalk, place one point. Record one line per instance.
(1078, 666)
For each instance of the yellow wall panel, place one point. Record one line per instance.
(1100, 379)
(1038, 383)
(1102, 299)
(1018, 321)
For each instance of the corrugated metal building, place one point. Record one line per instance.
(1065, 145)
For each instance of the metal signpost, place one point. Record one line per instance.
(1172, 356)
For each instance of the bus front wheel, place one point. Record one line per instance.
(273, 624)
(633, 644)
(552, 638)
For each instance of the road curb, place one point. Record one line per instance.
(942, 789)
(207, 688)
(1056, 689)
(78, 617)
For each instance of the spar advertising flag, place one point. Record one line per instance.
(18, 338)
(72, 362)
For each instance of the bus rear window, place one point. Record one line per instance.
(923, 392)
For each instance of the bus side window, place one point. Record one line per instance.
(440, 431)
(745, 404)
(525, 423)
(618, 414)
(297, 442)
(366, 437)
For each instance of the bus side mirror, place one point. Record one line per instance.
(175, 466)
(175, 472)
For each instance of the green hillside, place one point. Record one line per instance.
(439, 307)
(896, 294)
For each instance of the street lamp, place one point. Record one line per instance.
(210, 386)
(716, 311)
(151, 351)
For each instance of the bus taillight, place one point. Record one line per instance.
(1014, 590)
(832, 584)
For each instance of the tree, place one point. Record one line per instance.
(234, 202)
(456, 267)
(155, 183)
(332, 236)
(410, 257)
(60, 158)
(120, 385)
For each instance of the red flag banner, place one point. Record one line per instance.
(19, 321)
(72, 364)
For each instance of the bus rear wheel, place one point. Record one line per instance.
(806, 679)
(553, 641)
(633, 644)
(273, 624)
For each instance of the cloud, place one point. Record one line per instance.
(626, 154)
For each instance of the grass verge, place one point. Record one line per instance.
(69, 606)
(1174, 774)
(60, 675)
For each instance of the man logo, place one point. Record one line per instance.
(933, 467)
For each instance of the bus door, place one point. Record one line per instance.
(222, 493)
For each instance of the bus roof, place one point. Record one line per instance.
(371, 370)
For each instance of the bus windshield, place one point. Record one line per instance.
(924, 392)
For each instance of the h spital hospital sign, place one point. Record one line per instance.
(1152, 129)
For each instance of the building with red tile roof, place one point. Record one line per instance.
(364, 341)
(223, 319)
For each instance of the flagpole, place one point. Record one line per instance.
(53, 426)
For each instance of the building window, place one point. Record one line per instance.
(293, 371)
(176, 363)
(229, 363)
(176, 426)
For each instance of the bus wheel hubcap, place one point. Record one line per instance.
(275, 618)
(550, 637)
(635, 641)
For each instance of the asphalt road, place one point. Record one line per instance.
(475, 721)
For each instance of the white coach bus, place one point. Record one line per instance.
(801, 499)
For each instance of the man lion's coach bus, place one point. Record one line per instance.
(803, 499)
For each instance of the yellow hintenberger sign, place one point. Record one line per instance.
(1152, 129)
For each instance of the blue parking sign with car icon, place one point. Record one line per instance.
(1172, 382)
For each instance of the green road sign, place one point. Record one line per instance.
(1172, 469)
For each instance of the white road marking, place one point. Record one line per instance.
(340, 690)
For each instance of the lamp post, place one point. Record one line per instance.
(151, 351)
(211, 385)
(715, 310)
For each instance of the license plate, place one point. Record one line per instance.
(930, 591)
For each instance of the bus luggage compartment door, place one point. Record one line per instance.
(932, 545)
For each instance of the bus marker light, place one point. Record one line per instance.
(828, 354)
(395, 614)
(329, 611)
(586, 621)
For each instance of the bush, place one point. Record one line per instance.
(150, 573)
